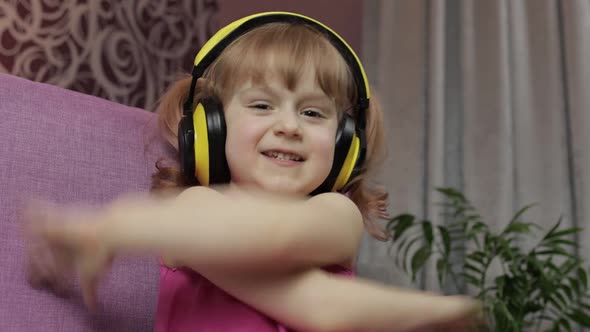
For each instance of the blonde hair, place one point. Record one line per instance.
(287, 50)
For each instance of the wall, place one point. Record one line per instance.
(343, 16)
(129, 51)
(124, 51)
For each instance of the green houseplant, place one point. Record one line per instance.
(543, 287)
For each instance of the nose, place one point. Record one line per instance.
(287, 124)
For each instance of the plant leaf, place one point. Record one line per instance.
(399, 224)
(580, 317)
(452, 193)
(419, 258)
(398, 254)
(407, 250)
(559, 306)
(564, 232)
(553, 229)
(441, 270)
(557, 242)
(585, 305)
(477, 256)
(557, 251)
(583, 277)
(446, 239)
(566, 324)
(568, 292)
(427, 230)
(476, 229)
(471, 279)
(520, 213)
(519, 228)
(468, 266)
(559, 297)
(504, 319)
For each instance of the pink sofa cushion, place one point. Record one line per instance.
(69, 147)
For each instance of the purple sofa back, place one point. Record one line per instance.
(69, 147)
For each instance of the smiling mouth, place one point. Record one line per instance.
(283, 156)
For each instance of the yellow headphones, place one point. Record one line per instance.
(202, 131)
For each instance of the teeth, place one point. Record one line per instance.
(283, 156)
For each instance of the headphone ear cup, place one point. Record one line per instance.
(345, 157)
(186, 141)
(211, 163)
(347, 149)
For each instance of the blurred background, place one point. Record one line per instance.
(129, 51)
(486, 96)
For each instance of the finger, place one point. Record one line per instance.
(45, 271)
(89, 285)
(34, 273)
(92, 265)
(89, 280)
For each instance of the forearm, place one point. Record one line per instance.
(363, 305)
(205, 233)
(206, 228)
(313, 300)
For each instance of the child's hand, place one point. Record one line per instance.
(459, 313)
(62, 240)
(45, 269)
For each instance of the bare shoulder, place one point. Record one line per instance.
(335, 200)
(199, 192)
(337, 205)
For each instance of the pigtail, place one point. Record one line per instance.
(168, 177)
(370, 197)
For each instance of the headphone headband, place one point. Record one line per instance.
(224, 37)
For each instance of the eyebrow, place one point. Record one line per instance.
(314, 96)
(259, 88)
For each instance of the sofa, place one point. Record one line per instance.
(64, 146)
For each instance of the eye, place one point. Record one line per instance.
(261, 106)
(313, 113)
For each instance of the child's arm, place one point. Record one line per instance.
(309, 300)
(202, 227)
(313, 300)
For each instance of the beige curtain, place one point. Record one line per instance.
(488, 96)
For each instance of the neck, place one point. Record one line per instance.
(240, 190)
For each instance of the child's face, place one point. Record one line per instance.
(280, 140)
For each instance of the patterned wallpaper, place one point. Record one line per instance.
(124, 51)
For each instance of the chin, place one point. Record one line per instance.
(286, 189)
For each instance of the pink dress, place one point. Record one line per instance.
(189, 302)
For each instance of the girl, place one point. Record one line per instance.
(278, 129)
